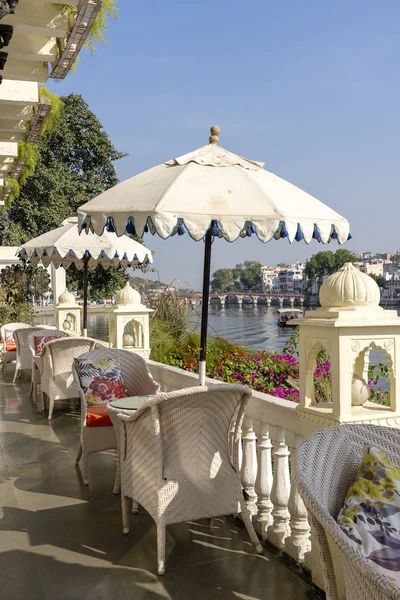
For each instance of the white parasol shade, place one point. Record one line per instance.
(212, 184)
(212, 193)
(63, 247)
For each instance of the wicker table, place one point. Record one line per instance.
(124, 405)
(131, 403)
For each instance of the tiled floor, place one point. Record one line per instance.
(61, 540)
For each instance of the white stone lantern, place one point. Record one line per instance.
(349, 324)
(68, 314)
(129, 323)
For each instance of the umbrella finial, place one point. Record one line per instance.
(215, 131)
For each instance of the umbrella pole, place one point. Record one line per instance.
(85, 295)
(204, 307)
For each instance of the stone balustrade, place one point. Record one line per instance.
(271, 432)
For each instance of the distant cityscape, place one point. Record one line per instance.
(291, 279)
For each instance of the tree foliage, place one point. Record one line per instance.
(327, 262)
(249, 274)
(380, 280)
(102, 283)
(245, 276)
(222, 280)
(20, 283)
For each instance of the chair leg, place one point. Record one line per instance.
(135, 507)
(85, 465)
(51, 406)
(15, 374)
(246, 516)
(125, 501)
(117, 482)
(41, 405)
(160, 548)
(78, 457)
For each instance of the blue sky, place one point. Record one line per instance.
(311, 88)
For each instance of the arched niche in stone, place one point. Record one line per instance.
(314, 349)
(361, 362)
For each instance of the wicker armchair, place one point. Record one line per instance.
(24, 339)
(138, 382)
(37, 359)
(176, 460)
(26, 347)
(326, 466)
(10, 355)
(57, 381)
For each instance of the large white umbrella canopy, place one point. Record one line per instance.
(212, 192)
(64, 247)
(209, 184)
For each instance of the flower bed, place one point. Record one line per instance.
(272, 373)
(262, 371)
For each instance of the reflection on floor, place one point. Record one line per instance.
(60, 540)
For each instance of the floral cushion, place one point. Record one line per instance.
(41, 340)
(370, 516)
(9, 340)
(101, 380)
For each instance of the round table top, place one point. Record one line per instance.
(130, 403)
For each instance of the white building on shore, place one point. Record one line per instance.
(284, 280)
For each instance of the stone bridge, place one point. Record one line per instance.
(255, 298)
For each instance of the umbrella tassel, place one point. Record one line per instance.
(316, 234)
(284, 231)
(181, 229)
(215, 230)
(130, 228)
(249, 230)
(110, 226)
(299, 234)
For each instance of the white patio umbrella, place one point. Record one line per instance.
(64, 247)
(212, 193)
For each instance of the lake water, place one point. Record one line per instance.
(255, 328)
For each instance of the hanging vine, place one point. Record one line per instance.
(96, 35)
(28, 153)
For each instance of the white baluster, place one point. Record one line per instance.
(240, 451)
(279, 530)
(249, 464)
(263, 484)
(298, 544)
(232, 448)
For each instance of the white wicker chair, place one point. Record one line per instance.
(138, 381)
(176, 458)
(25, 339)
(25, 347)
(10, 355)
(325, 467)
(57, 381)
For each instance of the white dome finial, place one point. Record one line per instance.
(66, 298)
(349, 287)
(127, 296)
